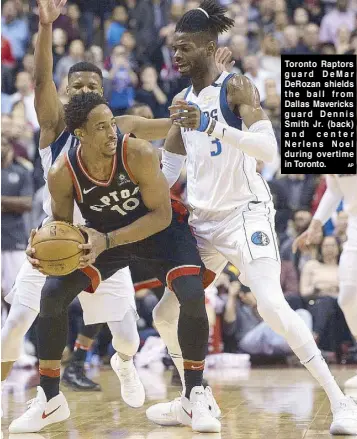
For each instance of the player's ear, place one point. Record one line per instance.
(102, 91)
(211, 48)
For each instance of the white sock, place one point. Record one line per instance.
(310, 356)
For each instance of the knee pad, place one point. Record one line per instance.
(54, 300)
(188, 288)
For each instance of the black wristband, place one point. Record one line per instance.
(107, 241)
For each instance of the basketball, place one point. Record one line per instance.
(56, 246)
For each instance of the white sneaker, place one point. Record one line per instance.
(132, 389)
(196, 409)
(351, 383)
(170, 413)
(345, 418)
(41, 413)
(165, 413)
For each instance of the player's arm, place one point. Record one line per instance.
(142, 128)
(15, 204)
(145, 169)
(60, 186)
(174, 152)
(49, 108)
(259, 141)
(327, 206)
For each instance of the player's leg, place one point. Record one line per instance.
(50, 405)
(114, 303)
(17, 323)
(126, 342)
(166, 317)
(24, 299)
(74, 374)
(248, 241)
(347, 298)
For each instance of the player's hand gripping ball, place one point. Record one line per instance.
(56, 248)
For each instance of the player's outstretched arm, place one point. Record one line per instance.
(142, 128)
(145, 170)
(259, 141)
(49, 108)
(60, 186)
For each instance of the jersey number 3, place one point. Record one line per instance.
(218, 146)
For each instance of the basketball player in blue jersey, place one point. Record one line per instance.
(220, 130)
(119, 188)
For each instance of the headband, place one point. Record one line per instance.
(202, 10)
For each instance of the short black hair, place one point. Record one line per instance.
(84, 66)
(215, 23)
(78, 108)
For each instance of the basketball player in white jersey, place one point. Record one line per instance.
(220, 130)
(340, 186)
(113, 301)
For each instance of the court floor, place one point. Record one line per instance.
(259, 403)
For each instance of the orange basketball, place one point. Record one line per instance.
(56, 246)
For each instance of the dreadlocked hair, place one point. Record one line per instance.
(196, 20)
(78, 108)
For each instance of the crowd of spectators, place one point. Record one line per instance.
(130, 41)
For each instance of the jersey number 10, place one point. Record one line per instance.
(218, 149)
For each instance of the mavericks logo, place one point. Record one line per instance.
(260, 238)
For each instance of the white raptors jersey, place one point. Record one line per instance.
(49, 155)
(347, 184)
(220, 177)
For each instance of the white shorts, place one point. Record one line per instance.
(11, 262)
(238, 237)
(110, 302)
(348, 260)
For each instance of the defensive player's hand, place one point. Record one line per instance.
(188, 115)
(49, 10)
(30, 253)
(312, 235)
(224, 60)
(95, 245)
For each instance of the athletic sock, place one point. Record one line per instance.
(79, 354)
(50, 381)
(193, 375)
(310, 356)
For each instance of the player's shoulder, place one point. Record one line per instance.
(180, 96)
(242, 89)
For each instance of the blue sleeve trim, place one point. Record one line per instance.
(58, 145)
(231, 119)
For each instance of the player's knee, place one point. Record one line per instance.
(188, 288)
(12, 335)
(53, 299)
(275, 313)
(347, 296)
(126, 344)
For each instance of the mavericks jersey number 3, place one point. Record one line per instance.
(220, 177)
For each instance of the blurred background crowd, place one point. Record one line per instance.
(130, 41)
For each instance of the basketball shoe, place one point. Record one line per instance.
(170, 413)
(132, 389)
(195, 412)
(74, 377)
(41, 413)
(344, 418)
